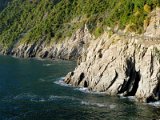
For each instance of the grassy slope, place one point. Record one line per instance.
(31, 20)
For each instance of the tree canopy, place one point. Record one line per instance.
(28, 21)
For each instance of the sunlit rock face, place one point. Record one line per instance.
(70, 48)
(119, 65)
(153, 28)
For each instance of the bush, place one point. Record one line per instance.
(98, 31)
(147, 8)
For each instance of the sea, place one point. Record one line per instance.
(33, 89)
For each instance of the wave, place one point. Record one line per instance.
(29, 97)
(52, 97)
(86, 90)
(47, 65)
(42, 80)
(36, 98)
(112, 106)
(155, 104)
(61, 82)
(25, 96)
(131, 98)
(61, 78)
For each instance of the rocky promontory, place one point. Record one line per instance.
(119, 64)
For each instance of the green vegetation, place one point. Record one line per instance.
(157, 53)
(29, 21)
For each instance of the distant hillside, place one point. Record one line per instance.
(3, 4)
(28, 21)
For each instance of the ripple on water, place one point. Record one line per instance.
(42, 80)
(29, 97)
(52, 97)
(36, 98)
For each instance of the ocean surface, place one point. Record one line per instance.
(33, 89)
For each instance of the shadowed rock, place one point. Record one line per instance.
(124, 67)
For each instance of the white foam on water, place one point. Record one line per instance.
(155, 104)
(112, 106)
(30, 97)
(47, 65)
(61, 82)
(52, 97)
(61, 78)
(42, 80)
(86, 90)
(25, 96)
(131, 98)
(82, 89)
(36, 98)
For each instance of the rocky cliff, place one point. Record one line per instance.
(121, 65)
(69, 49)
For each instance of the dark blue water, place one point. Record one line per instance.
(33, 90)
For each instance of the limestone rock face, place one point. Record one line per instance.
(153, 29)
(117, 65)
(71, 48)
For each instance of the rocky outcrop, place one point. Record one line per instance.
(69, 49)
(153, 29)
(119, 66)
(122, 64)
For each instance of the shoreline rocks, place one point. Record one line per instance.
(117, 65)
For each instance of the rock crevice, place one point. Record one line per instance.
(125, 67)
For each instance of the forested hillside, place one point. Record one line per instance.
(28, 21)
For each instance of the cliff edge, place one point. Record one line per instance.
(119, 64)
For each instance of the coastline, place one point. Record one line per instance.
(112, 63)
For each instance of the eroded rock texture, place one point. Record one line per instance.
(69, 49)
(119, 65)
